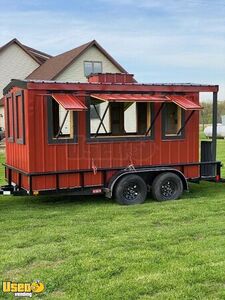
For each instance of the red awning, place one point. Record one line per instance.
(69, 102)
(181, 101)
(184, 103)
(129, 98)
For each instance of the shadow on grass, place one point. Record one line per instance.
(84, 200)
(196, 191)
(71, 199)
(43, 202)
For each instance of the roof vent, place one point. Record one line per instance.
(111, 78)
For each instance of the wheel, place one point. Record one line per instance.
(167, 186)
(131, 189)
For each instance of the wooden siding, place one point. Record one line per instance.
(39, 156)
(15, 63)
(17, 155)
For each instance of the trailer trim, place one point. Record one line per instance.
(105, 187)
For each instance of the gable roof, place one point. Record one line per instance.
(39, 56)
(57, 64)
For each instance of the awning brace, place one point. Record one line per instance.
(99, 117)
(155, 118)
(63, 122)
(185, 123)
(101, 122)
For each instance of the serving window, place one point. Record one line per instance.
(120, 119)
(62, 125)
(172, 121)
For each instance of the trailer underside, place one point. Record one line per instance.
(208, 171)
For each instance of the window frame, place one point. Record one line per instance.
(51, 139)
(92, 66)
(10, 138)
(19, 140)
(163, 117)
(112, 139)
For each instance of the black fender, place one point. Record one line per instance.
(142, 173)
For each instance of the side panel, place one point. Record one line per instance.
(17, 154)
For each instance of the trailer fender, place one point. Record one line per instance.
(142, 173)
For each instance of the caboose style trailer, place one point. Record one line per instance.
(109, 136)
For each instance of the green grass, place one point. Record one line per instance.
(92, 248)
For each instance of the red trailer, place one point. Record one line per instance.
(110, 135)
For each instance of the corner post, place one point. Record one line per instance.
(214, 126)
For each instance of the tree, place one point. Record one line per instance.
(206, 113)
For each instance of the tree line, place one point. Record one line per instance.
(206, 113)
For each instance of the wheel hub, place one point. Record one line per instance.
(131, 192)
(168, 189)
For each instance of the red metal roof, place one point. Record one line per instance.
(110, 88)
(129, 98)
(69, 102)
(184, 103)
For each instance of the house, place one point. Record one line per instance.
(73, 65)
(76, 65)
(17, 61)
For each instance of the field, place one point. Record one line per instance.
(92, 248)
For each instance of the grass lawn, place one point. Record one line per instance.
(92, 248)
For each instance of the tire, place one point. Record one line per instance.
(167, 186)
(130, 189)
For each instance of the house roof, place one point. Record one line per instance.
(39, 56)
(57, 64)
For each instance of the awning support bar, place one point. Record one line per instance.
(61, 127)
(185, 123)
(103, 117)
(155, 118)
(99, 117)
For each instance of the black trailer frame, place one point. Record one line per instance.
(106, 186)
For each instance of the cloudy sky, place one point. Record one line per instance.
(157, 40)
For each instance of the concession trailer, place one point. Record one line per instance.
(109, 136)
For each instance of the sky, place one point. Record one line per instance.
(157, 40)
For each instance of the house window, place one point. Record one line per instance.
(19, 114)
(9, 118)
(91, 67)
(173, 120)
(121, 119)
(61, 123)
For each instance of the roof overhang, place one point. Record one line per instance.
(108, 87)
